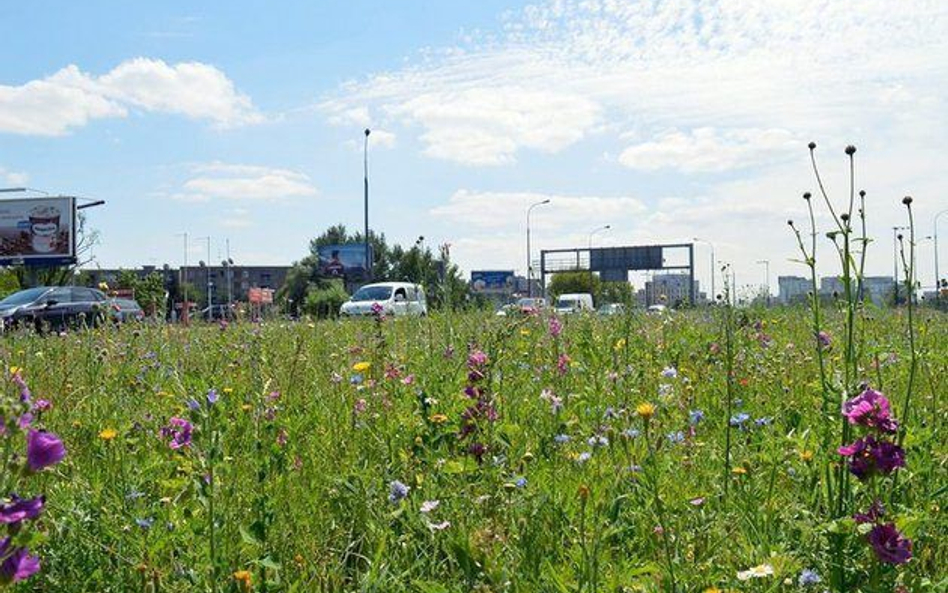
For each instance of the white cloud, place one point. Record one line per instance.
(12, 178)
(563, 70)
(243, 182)
(708, 150)
(71, 98)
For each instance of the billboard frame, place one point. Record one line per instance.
(40, 260)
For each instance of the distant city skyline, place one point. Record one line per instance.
(666, 121)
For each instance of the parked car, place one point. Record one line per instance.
(55, 307)
(531, 304)
(126, 310)
(395, 298)
(574, 303)
(657, 309)
(612, 309)
(217, 312)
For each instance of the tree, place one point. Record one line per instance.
(616, 292)
(575, 281)
(324, 300)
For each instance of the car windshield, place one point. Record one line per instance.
(372, 293)
(23, 297)
(528, 302)
(570, 303)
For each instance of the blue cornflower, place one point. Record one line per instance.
(610, 413)
(597, 440)
(670, 372)
(212, 397)
(739, 419)
(676, 437)
(355, 379)
(521, 482)
(808, 577)
(765, 421)
(584, 457)
(397, 491)
(630, 433)
(144, 523)
(695, 416)
(561, 439)
(193, 405)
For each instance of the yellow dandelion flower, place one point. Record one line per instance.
(806, 455)
(228, 390)
(361, 367)
(244, 579)
(108, 434)
(740, 471)
(15, 370)
(438, 418)
(246, 407)
(645, 410)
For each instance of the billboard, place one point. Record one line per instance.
(341, 261)
(493, 281)
(260, 296)
(38, 231)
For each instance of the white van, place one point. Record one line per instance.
(574, 303)
(396, 299)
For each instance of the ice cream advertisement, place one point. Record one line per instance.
(36, 230)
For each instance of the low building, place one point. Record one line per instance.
(793, 289)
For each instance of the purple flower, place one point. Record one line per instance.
(808, 577)
(875, 512)
(670, 372)
(25, 421)
(477, 358)
(42, 405)
(868, 455)
(824, 339)
(21, 509)
(193, 405)
(145, 523)
(556, 327)
(398, 491)
(561, 439)
(695, 416)
(521, 482)
(676, 437)
(18, 564)
(178, 431)
(212, 397)
(739, 419)
(889, 545)
(871, 409)
(43, 449)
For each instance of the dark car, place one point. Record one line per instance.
(126, 310)
(54, 307)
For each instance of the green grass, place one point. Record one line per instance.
(313, 513)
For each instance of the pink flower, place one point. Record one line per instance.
(871, 409)
(556, 327)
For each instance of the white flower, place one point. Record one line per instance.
(439, 526)
(757, 572)
(429, 505)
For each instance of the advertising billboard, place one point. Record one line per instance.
(38, 231)
(492, 281)
(342, 261)
(260, 296)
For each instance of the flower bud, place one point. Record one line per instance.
(812, 145)
(850, 150)
(907, 200)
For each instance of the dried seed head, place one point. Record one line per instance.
(862, 193)
(850, 150)
(844, 217)
(807, 195)
(907, 200)
(812, 145)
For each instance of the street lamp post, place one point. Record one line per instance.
(713, 273)
(937, 270)
(766, 264)
(365, 171)
(529, 260)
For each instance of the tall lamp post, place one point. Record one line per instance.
(365, 178)
(766, 264)
(713, 273)
(937, 270)
(529, 260)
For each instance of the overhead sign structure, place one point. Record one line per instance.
(343, 261)
(485, 281)
(38, 231)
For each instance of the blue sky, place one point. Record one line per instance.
(668, 120)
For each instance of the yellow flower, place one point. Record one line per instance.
(15, 370)
(244, 578)
(104, 286)
(806, 455)
(246, 407)
(438, 418)
(620, 344)
(645, 410)
(361, 367)
(228, 390)
(738, 470)
(108, 434)
(524, 331)
(712, 590)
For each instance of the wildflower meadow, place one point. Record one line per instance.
(715, 449)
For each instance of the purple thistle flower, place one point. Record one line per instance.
(17, 564)
(21, 509)
(889, 545)
(43, 449)
(178, 431)
(871, 409)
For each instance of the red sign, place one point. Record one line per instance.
(260, 296)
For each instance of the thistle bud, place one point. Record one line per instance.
(907, 200)
(807, 196)
(812, 145)
(850, 150)
(844, 217)
(862, 193)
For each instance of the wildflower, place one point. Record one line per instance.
(244, 579)
(670, 373)
(42, 405)
(555, 326)
(598, 441)
(178, 431)
(645, 410)
(21, 509)
(361, 367)
(335, 377)
(17, 564)
(808, 577)
(562, 363)
(757, 572)
(619, 345)
(867, 455)
(521, 482)
(630, 433)
(695, 416)
(697, 502)
(477, 358)
(561, 439)
(212, 397)
(676, 437)
(875, 512)
(889, 545)
(145, 523)
(397, 491)
(108, 434)
(739, 470)
(583, 457)
(824, 340)
(439, 526)
(765, 421)
(408, 379)
(43, 449)
(738, 420)
(429, 505)
(355, 379)
(193, 405)
(438, 418)
(360, 406)
(871, 409)
(806, 456)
